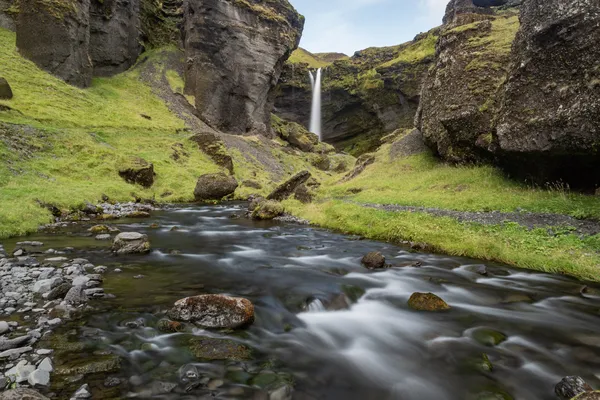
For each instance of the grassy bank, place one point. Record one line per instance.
(421, 180)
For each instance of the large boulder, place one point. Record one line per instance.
(261, 209)
(131, 243)
(549, 124)
(137, 171)
(114, 35)
(427, 302)
(295, 134)
(5, 90)
(373, 260)
(287, 188)
(214, 187)
(235, 51)
(55, 35)
(214, 311)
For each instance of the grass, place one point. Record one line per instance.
(415, 52)
(301, 56)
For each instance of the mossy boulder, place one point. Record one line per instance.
(214, 311)
(321, 162)
(96, 229)
(266, 210)
(286, 189)
(215, 148)
(427, 302)
(295, 134)
(373, 260)
(488, 337)
(5, 90)
(137, 171)
(131, 243)
(303, 194)
(214, 187)
(219, 349)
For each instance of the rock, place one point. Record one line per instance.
(4, 327)
(82, 393)
(21, 371)
(76, 295)
(168, 326)
(214, 187)
(137, 171)
(80, 280)
(233, 81)
(39, 378)
(7, 344)
(488, 337)
(571, 387)
(549, 122)
(286, 189)
(361, 164)
(373, 260)
(210, 144)
(103, 237)
(589, 396)
(97, 229)
(427, 302)
(46, 285)
(115, 42)
(295, 134)
(408, 145)
(105, 364)
(219, 349)
(22, 394)
(214, 311)
(59, 292)
(266, 210)
(255, 185)
(303, 195)
(5, 90)
(130, 243)
(56, 38)
(111, 381)
(46, 365)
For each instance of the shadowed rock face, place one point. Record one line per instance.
(235, 52)
(55, 35)
(549, 125)
(114, 35)
(7, 17)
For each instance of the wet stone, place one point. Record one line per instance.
(427, 302)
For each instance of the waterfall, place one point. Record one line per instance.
(315, 112)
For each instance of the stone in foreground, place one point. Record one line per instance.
(373, 260)
(131, 243)
(214, 311)
(427, 302)
(286, 189)
(214, 187)
(572, 386)
(22, 394)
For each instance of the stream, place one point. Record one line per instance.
(325, 325)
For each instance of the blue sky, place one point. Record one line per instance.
(350, 25)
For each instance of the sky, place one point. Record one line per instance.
(346, 26)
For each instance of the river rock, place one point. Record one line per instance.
(21, 371)
(46, 285)
(427, 302)
(168, 326)
(59, 292)
(266, 209)
(46, 365)
(488, 337)
(214, 311)
(287, 188)
(7, 344)
(39, 377)
(104, 236)
(5, 90)
(137, 171)
(570, 387)
(588, 396)
(130, 243)
(4, 327)
(76, 295)
(373, 260)
(214, 186)
(219, 349)
(235, 52)
(22, 394)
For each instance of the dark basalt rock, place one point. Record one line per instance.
(549, 124)
(55, 35)
(286, 189)
(235, 52)
(214, 147)
(572, 386)
(214, 187)
(373, 260)
(5, 90)
(114, 35)
(138, 171)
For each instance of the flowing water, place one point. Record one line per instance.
(326, 325)
(315, 112)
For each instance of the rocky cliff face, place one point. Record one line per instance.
(76, 39)
(8, 11)
(372, 93)
(114, 35)
(459, 100)
(549, 124)
(55, 35)
(235, 51)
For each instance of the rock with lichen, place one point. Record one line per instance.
(427, 302)
(214, 311)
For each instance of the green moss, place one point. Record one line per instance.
(301, 56)
(415, 52)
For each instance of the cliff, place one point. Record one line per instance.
(235, 51)
(372, 93)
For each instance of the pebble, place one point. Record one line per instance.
(117, 270)
(44, 352)
(82, 393)
(4, 327)
(105, 236)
